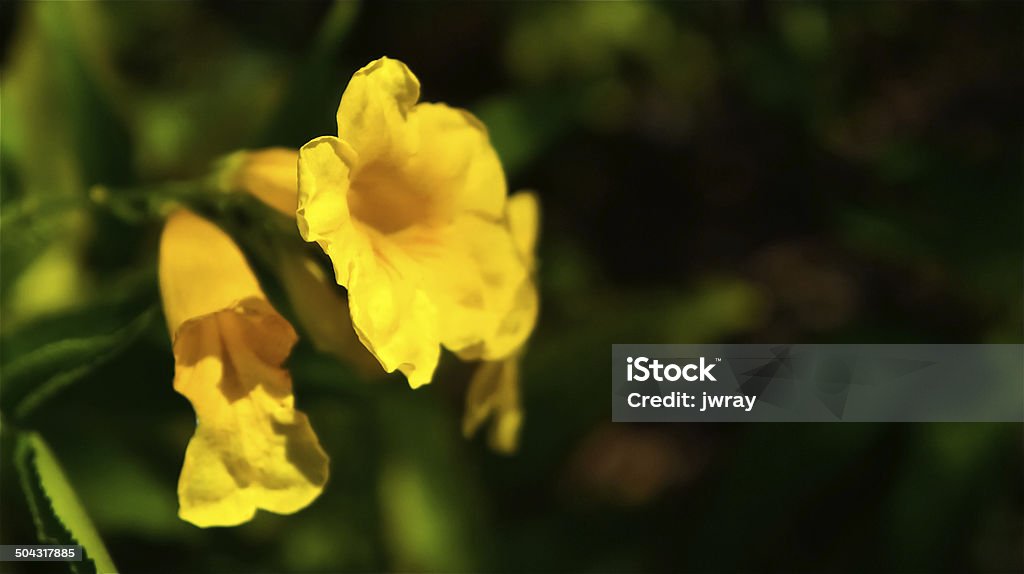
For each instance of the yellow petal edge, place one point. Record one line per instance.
(494, 391)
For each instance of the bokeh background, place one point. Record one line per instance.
(708, 172)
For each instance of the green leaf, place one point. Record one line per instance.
(30, 225)
(35, 376)
(56, 510)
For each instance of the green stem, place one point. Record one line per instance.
(148, 202)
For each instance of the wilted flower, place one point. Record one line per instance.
(251, 448)
(409, 203)
(494, 388)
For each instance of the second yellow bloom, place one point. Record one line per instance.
(251, 449)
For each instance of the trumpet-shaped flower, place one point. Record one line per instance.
(409, 204)
(494, 388)
(251, 449)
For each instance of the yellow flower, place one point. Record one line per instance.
(494, 388)
(251, 449)
(409, 204)
(270, 174)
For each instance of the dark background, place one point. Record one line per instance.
(728, 172)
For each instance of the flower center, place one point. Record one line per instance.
(388, 199)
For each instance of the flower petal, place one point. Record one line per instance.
(463, 286)
(496, 319)
(392, 316)
(202, 271)
(251, 448)
(520, 311)
(523, 215)
(374, 106)
(494, 392)
(455, 156)
(323, 214)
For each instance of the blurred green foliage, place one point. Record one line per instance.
(708, 172)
